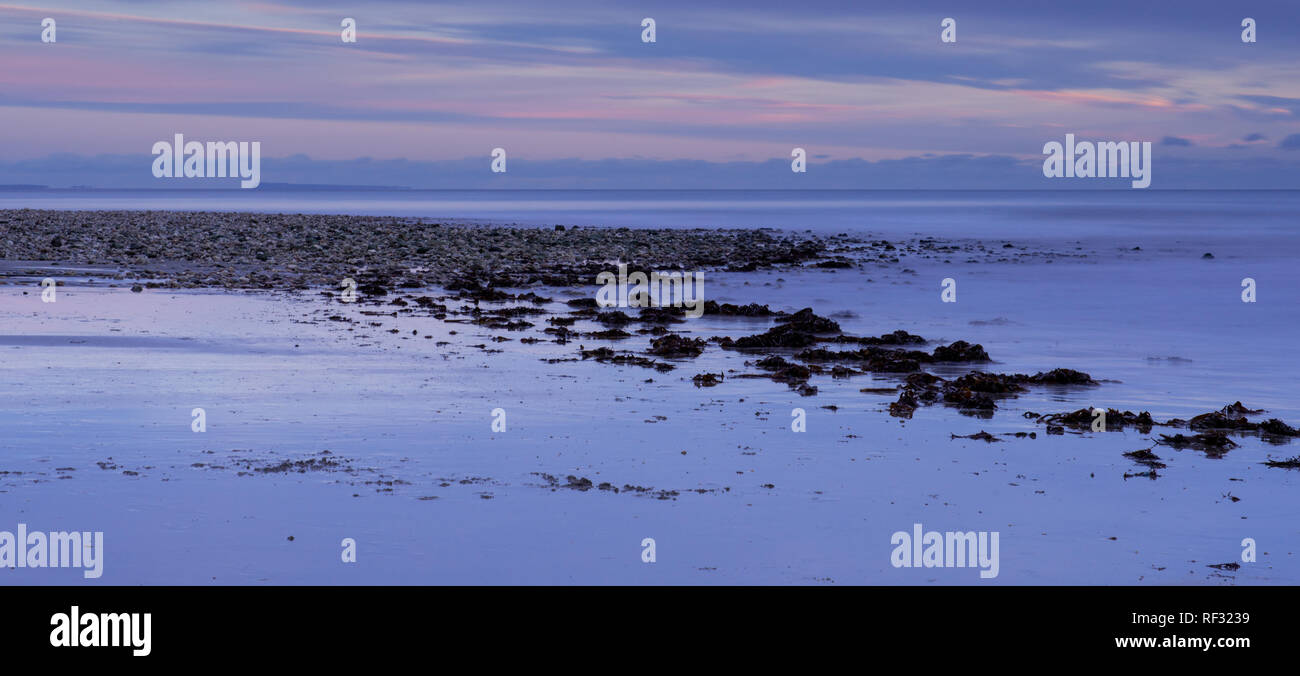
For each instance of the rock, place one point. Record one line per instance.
(961, 351)
(673, 345)
(727, 309)
(706, 379)
(783, 335)
(1062, 377)
(806, 320)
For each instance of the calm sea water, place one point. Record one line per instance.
(1211, 216)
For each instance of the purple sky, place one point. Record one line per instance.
(572, 80)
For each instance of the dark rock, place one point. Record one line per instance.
(960, 351)
(727, 309)
(673, 345)
(1062, 377)
(706, 379)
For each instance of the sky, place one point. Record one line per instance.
(720, 99)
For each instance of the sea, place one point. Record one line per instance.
(97, 393)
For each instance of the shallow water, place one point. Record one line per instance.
(107, 374)
(1219, 217)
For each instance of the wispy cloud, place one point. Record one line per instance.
(571, 78)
